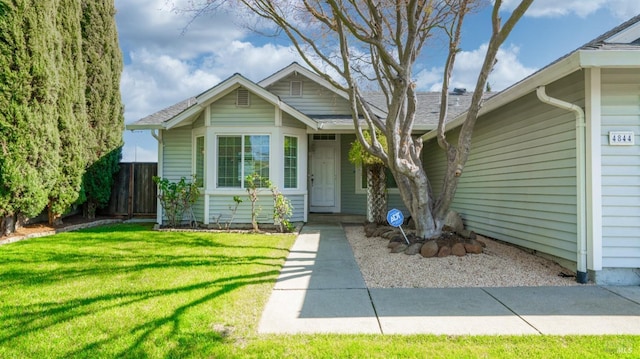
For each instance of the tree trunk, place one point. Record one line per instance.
(417, 196)
(376, 194)
(55, 219)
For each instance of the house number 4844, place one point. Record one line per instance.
(621, 138)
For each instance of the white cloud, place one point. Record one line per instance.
(506, 72)
(137, 153)
(622, 9)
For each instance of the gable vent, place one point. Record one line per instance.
(242, 97)
(296, 88)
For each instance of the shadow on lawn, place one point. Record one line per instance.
(97, 260)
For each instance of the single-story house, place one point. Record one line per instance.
(555, 164)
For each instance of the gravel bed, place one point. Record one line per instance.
(500, 265)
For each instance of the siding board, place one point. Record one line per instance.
(620, 169)
(519, 183)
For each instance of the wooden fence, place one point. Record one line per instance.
(134, 193)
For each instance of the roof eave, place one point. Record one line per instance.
(134, 126)
(553, 72)
(182, 116)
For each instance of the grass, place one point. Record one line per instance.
(128, 292)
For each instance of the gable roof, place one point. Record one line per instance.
(184, 112)
(618, 47)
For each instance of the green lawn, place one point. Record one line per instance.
(126, 291)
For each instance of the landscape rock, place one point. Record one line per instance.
(473, 248)
(468, 234)
(379, 231)
(393, 244)
(454, 221)
(399, 248)
(369, 228)
(429, 249)
(444, 251)
(414, 248)
(458, 250)
(389, 234)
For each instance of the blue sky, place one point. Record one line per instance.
(164, 64)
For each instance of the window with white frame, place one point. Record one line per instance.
(199, 161)
(361, 179)
(240, 156)
(290, 162)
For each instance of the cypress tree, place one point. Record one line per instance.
(103, 60)
(76, 141)
(29, 136)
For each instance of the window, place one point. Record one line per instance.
(361, 179)
(290, 162)
(296, 89)
(199, 156)
(240, 156)
(324, 137)
(242, 98)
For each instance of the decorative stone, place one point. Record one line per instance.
(473, 248)
(468, 234)
(429, 249)
(393, 244)
(444, 251)
(458, 250)
(389, 234)
(454, 221)
(414, 248)
(399, 248)
(369, 228)
(379, 231)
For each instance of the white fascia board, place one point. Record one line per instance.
(552, 73)
(626, 36)
(610, 58)
(183, 116)
(295, 67)
(133, 126)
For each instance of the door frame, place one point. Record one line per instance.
(313, 144)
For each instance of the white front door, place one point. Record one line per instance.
(323, 178)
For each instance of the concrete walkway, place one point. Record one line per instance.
(321, 290)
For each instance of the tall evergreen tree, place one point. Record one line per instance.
(29, 136)
(103, 60)
(75, 136)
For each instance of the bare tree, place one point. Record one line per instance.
(353, 43)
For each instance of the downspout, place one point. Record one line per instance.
(581, 159)
(158, 136)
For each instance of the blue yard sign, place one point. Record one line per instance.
(395, 217)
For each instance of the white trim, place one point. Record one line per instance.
(626, 36)
(360, 189)
(199, 132)
(337, 144)
(160, 174)
(593, 109)
(235, 132)
(610, 58)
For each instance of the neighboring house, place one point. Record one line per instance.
(543, 173)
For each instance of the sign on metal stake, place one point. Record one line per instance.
(395, 219)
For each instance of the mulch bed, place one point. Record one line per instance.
(70, 223)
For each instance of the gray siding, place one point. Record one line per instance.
(289, 121)
(176, 154)
(352, 202)
(224, 112)
(519, 184)
(199, 122)
(219, 204)
(315, 99)
(620, 170)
